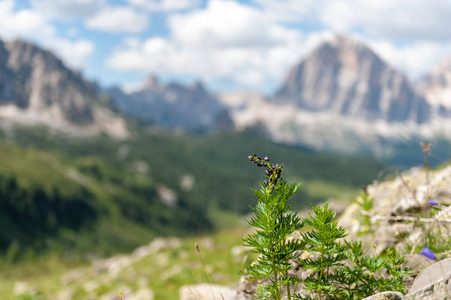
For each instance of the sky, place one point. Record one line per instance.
(226, 44)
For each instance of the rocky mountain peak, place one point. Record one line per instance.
(174, 105)
(345, 77)
(152, 82)
(36, 87)
(437, 88)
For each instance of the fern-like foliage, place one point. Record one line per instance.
(339, 269)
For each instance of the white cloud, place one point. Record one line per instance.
(118, 20)
(407, 20)
(30, 25)
(24, 23)
(165, 5)
(414, 59)
(226, 24)
(401, 19)
(226, 41)
(290, 10)
(63, 9)
(75, 54)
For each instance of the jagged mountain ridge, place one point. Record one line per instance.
(345, 77)
(37, 88)
(174, 105)
(340, 96)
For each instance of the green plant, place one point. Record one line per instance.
(366, 204)
(339, 270)
(275, 224)
(322, 240)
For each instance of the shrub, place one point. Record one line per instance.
(331, 277)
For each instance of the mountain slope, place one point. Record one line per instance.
(345, 77)
(436, 88)
(86, 204)
(37, 88)
(173, 106)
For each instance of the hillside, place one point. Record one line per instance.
(138, 188)
(83, 205)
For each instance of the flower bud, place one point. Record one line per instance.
(428, 253)
(266, 158)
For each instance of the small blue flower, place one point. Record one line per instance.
(428, 253)
(432, 202)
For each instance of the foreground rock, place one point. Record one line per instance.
(402, 210)
(386, 296)
(432, 283)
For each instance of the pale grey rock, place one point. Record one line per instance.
(22, 288)
(72, 276)
(417, 263)
(65, 294)
(141, 294)
(438, 272)
(407, 195)
(112, 265)
(157, 245)
(439, 290)
(205, 291)
(386, 296)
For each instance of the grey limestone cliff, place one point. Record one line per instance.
(345, 77)
(174, 105)
(36, 87)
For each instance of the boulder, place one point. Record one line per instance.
(433, 283)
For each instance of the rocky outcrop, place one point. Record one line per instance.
(174, 106)
(345, 77)
(402, 211)
(37, 88)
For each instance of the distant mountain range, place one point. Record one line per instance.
(173, 106)
(342, 96)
